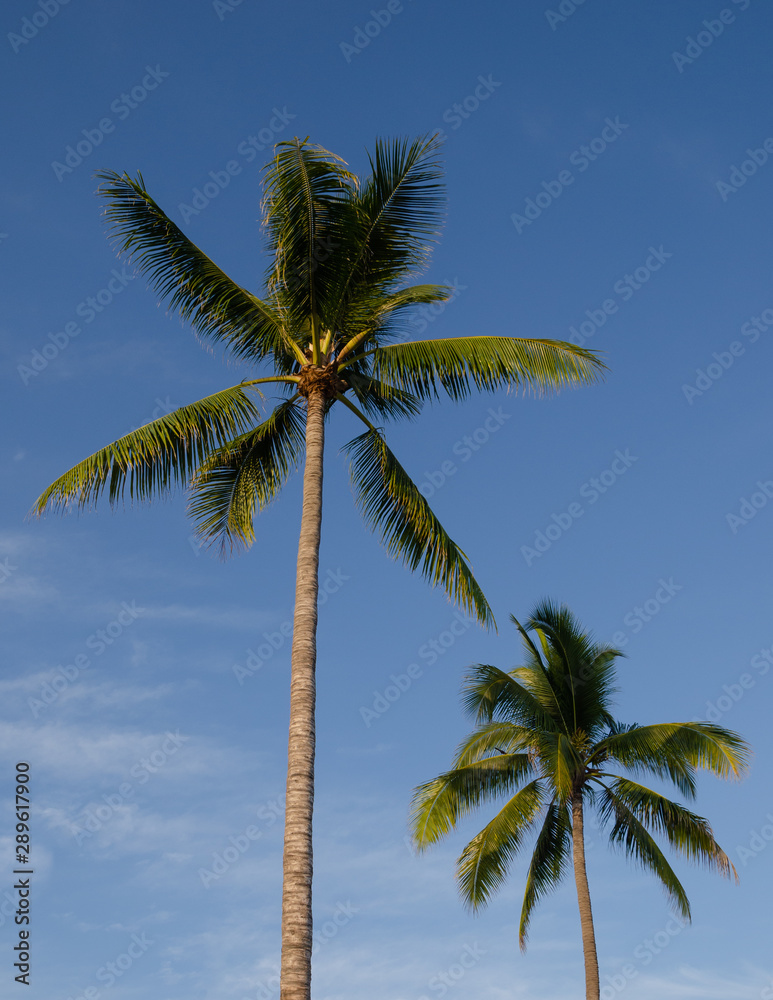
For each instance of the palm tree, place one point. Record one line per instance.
(545, 732)
(328, 329)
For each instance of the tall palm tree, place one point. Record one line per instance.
(545, 732)
(328, 329)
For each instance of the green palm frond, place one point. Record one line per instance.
(687, 833)
(215, 306)
(559, 759)
(484, 863)
(458, 365)
(396, 216)
(677, 749)
(500, 737)
(439, 805)
(549, 863)
(376, 317)
(241, 478)
(631, 835)
(381, 400)
(391, 502)
(489, 693)
(576, 672)
(156, 456)
(307, 217)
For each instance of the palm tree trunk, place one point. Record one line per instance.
(295, 980)
(583, 898)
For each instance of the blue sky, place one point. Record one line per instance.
(632, 139)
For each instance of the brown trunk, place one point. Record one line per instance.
(295, 981)
(583, 898)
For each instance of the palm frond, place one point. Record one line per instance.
(391, 502)
(686, 832)
(676, 749)
(485, 861)
(242, 477)
(459, 364)
(489, 693)
(500, 737)
(439, 805)
(215, 306)
(631, 835)
(379, 399)
(156, 456)
(549, 863)
(306, 218)
(393, 220)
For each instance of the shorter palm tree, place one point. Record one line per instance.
(545, 740)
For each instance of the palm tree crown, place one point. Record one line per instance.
(329, 322)
(547, 742)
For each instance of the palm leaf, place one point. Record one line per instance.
(307, 219)
(499, 737)
(439, 805)
(196, 288)
(490, 693)
(391, 502)
(379, 399)
(155, 456)
(549, 863)
(687, 833)
(630, 834)
(396, 215)
(460, 364)
(485, 861)
(244, 476)
(677, 749)
(376, 317)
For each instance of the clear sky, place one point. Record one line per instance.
(610, 179)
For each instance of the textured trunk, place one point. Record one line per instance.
(583, 898)
(296, 891)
